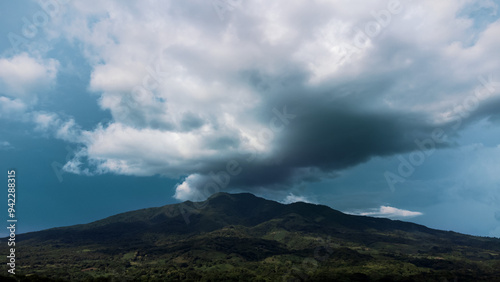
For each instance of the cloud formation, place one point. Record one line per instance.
(390, 212)
(282, 93)
(21, 75)
(291, 198)
(22, 79)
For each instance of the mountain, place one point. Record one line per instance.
(241, 237)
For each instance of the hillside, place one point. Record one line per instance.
(239, 237)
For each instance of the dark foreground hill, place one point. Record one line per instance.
(240, 237)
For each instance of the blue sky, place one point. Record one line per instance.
(380, 108)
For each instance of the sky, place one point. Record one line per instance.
(380, 108)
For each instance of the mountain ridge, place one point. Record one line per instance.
(260, 239)
(175, 210)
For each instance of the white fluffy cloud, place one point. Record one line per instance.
(187, 190)
(22, 79)
(189, 91)
(45, 121)
(23, 76)
(390, 212)
(51, 123)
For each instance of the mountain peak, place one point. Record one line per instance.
(230, 195)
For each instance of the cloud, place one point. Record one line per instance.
(285, 90)
(291, 198)
(22, 79)
(4, 145)
(187, 190)
(45, 121)
(62, 128)
(22, 76)
(390, 212)
(11, 108)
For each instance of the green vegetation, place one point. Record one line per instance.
(245, 238)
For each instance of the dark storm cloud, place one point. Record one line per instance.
(325, 137)
(335, 127)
